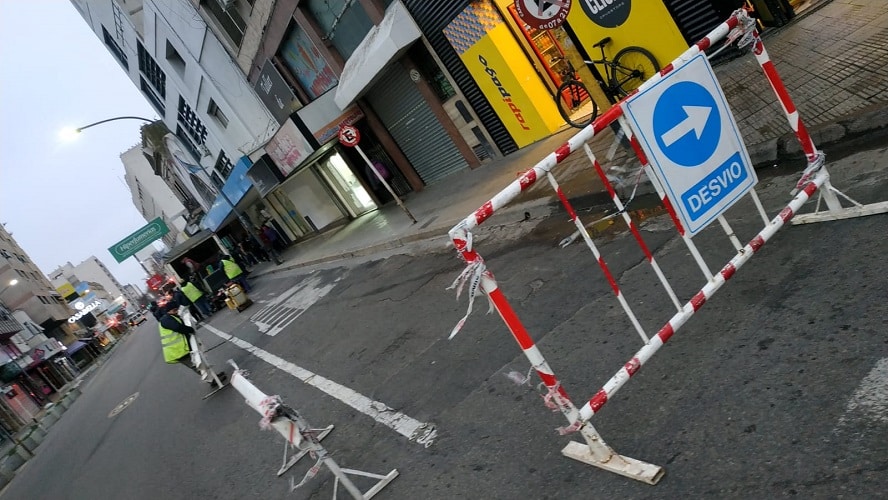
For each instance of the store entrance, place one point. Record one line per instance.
(553, 56)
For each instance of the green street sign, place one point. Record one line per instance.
(140, 239)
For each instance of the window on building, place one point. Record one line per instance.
(153, 79)
(191, 125)
(217, 180)
(114, 48)
(175, 59)
(214, 111)
(343, 22)
(229, 19)
(5, 253)
(187, 142)
(223, 165)
(305, 63)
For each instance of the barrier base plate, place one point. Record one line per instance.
(845, 213)
(624, 466)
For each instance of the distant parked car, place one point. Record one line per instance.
(137, 319)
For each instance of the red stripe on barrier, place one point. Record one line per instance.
(607, 273)
(598, 400)
(777, 83)
(666, 332)
(632, 366)
(511, 319)
(810, 188)
(484, 212)
(757, 243)
(562, 152)
(703, 44)
(669, 208)
(666, 69)
(547, 378)
(527, 179)
(698, 300)
(567, 205)
(786, 214)
(728, 271)
(604, 180)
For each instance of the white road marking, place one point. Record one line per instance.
(285, 308)
(423, 433)
(870, 400)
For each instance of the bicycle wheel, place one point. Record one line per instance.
(633, 66)
(575, 104)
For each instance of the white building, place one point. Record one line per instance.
(152, 196)
(91, 270)
(184, 71)
(32, 292)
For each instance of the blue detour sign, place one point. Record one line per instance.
(685, 127)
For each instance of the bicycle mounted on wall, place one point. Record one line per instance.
(631, 67)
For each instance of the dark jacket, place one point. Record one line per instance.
(171, 323)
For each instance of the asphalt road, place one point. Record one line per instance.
(777, 387)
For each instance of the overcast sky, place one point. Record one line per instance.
(64, 201)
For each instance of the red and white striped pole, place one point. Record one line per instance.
(668, 330)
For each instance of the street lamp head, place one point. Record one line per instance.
(69, 134)
(13, 282)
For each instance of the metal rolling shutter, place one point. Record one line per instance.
(415, 128)
(695, 18)
(432, 16)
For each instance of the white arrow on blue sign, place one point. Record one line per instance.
(685, 127)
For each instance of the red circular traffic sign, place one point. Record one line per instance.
(349, 136)
(543, 14)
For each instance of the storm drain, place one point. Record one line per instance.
(123, 405)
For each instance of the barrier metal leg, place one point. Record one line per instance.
(295, 429)
(321, 433)
(201, 362)
(857, 210)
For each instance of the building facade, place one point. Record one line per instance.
(32, 292)
(153, 197)
(89, 274)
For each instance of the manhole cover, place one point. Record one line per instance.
(123, 405)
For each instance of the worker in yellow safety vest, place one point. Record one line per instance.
(196, 296)
(175, 338)
(234, 272)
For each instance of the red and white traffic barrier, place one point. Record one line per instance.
(307, 440)
(477, 278)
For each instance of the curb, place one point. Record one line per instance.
(850, 127)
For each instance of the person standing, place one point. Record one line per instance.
(175, 339)
(234, 272)
(198, 298)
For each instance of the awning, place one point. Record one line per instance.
(183, 248)
(383, 44)
(234, 189)
(75, 346)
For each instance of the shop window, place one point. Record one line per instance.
(343, 22)
(305, 63)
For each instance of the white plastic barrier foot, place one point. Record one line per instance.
(597, 453)
(301, 436)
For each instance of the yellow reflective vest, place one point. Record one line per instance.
(232, 270)
(192, 292)
(174, 344)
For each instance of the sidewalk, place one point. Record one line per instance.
(833, 60)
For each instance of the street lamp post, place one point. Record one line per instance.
(225, 197)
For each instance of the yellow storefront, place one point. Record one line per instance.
(519, 69)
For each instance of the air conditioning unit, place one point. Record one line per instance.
(226, 4)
